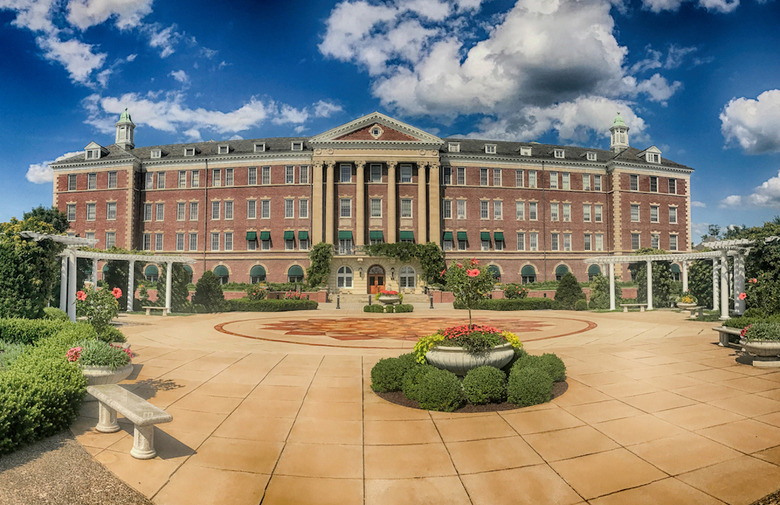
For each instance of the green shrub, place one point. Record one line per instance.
(519, 353)
(387, 375)
(99, 353)
(439, 390)
(754, 312)
(581, 305)
(512, 304)
(208, 292)
(568, 292)
(28, 331)
(485, 384)
(548, 362)
(515, 291)
(735, 322)
(404, 308)
(411, 381)
(389, 309)
(55, 313)
(373, 308)
(112, 334)
(599, 293)
(763, 331)
(9, 352)
(246, 305)
(529, 386)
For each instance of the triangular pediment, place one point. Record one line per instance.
(93, 145)
(373, 129)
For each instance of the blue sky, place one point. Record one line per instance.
(700, 79)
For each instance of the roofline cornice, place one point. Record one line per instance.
(95, 164)
(613, 164)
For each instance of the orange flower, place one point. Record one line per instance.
(117, 293)
(473, 273)
(81, 296)
(742, 296)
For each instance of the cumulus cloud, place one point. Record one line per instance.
(41, 173)
(765, 195)
(181, 76)
(730, 202)
(326, 109)
(78, 58)
(753, 124)
(163, 38)
(128, 13)
(722, 6)
(696, 203)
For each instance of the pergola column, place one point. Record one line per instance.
(739, 282)
(94, 272)
(360, 204)
(64, 284)
(130, 285)
(649, 285)
(168, 285)
(329, 195)
(685, 276)
(72, 285)
(611, 286)
(724, 286)
(715, 288)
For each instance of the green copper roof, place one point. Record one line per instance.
(618, 120)
(125, 116)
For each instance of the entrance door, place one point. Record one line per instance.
(376, 279)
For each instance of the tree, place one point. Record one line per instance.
(568, 292)
(599, 293)
(115, 276)
(469, 283)
(664, 287)
(52, 215)
(180, 292)
(431, 262)
(208, 292)
(319, 264)
(700, 281)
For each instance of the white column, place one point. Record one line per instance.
(422, 214)
(329, 205)
(72, 286)
(724, 287)
(739, 282)
(392, 227)
(94, 272)
(649, 285)
(168, 284)
(715, 288)
(64, 284)
(130, 285)
(611, 286)
(360, 204)
(685, 275)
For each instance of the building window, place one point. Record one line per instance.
(559, 153)
(519, 178)
(229, 176)
(193, 241)
(596, 183)
(485, 241)
(195, 179)
(633, 182)
(599, 242)
(146, 242)
(554, 241)
(446, 209)
(303, 244)
(376, 172)
(591, 156)
(528, 275)
(155, 154)
(461, 174)
(158, 241)
(553, 180)
(251, 176)
(565, 180)
(289, 174)
(91, 211)
(553, 212)
(265, 175)
(463, 243)
(654, 184)
(673, 186)
(498, 209)
(214, 210)
(303, 174)
(483, 176)
(525, 151)
(296, 146)
(345, 170)
(251, 209)
(533, 241)
(653, 158)
(182, 179)
(654, 213)
(597, 213)
(159, 212)
(251, 245)
(406, 207)
(567, 212)
(672, 242)
(532, 211)
(160, 180)
(585, 182)
(345, 207)
(634, 213)
(345, 246)
(91, 181)
(635, 241)
(406, 173)
(447, 176)
(147, 212)
(179, 241)
(344, 277)
(588, 242)
(193, 211)
(265, 244)
(289, 208)
(229, 209)
(260, 147)
(149, 181)
(189, 151)
(567, 241)
(490, 149)
(214, 241)
(303, 208)
(111, 211)
(655, 241)
(72, 182)
(521, 241)
(376, 207)
(228, 241)
(112, 180)
(520, 211)
(461, 209)
(110, 239)
(223, 149)
(446, 244)
(216, 177)
(483, 209)
(407, 278)
(181, 209)
(672, 215)
(532, 179)
(453, 147)
(586, 208)
(496, 177)
(265, 209)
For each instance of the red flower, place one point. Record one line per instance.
(474, 261)
(460, 266)
(742, 296)
(443, 272)
(81, 296)
(473, 273)
(753, 281)
(117, 293)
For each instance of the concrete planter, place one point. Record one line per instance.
(97, 375)
(685, 306)
(389, 299)
(459, 361)
(762, 348)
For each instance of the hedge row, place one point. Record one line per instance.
(742, 321)
(246, 305)
(40, 392)
(28, 331)
(505, 304)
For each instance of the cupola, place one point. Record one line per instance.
(124, 131)
(619, 130)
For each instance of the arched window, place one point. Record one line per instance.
(593, 271)
(151, 273)
(528, 274)
(495, 272)
(407, 277)
(295, 274)
(257, 274)
(676, 274)
(188, 269)
(222, 272)
(560, 271)
(344, 277)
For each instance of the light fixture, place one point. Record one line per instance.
(392, 273)
(360, 271)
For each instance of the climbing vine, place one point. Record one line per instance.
(430, 256)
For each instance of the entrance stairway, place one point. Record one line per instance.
(362, 299)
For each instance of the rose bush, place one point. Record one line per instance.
(99, 306)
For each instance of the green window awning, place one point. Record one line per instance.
(499, 236)
(295, 271)
(675, 268)
(462, 235)
(528, 271)
(594, 270)
(447, 235)
(257, 271)
(265, 235)
(188, 269)
(484, 235)
(251, 236)
(376, 235)
(345, 235)
(561, 270)
(289, 235)
(151, 270)
(494, 271)
(221, 271)
(303, 235)
(406, 235)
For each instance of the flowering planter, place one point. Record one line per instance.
(685, 306)
(389, 299)
(97, 375)
(459, 361)
(766, 348)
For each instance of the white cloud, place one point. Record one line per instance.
(730, 201)
(696, 203)
(128, 13)
(77, 57)
(34, 15)
(289, 114)
(165, 39)
(181, 76)
(658, 88)
(326, 109)
(131, 57)
(723, 6)
(753, 124)
(765, 195)
(41, 173)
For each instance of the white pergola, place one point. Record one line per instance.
(737, 249)
(71, 253)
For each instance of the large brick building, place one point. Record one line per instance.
(251, 209)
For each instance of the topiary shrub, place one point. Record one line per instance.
(55, 314)
(387, 375)
(581, 304)
(484, 384)
(112, 334)
(272, 305)
(519, 353)
(208, 292)
(28, 331)
(373, 308)
(439, 390)
(568, 292)
(411, 381)
(548, 362)
(389, 308)
(529, 386)
(404, 308)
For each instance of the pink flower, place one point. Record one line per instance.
(443, 272)
(73, 353)
(742, 296)
(81, 296)
(460, 266)
(474, 261)
(117, 293)
(754, 281)
(473, 273)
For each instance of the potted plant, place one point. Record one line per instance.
(101, 362)
(98, 306)
(687, 301)
(389, 297)
(762, 339)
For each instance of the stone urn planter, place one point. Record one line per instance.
(97, 375)
(685, 306)
(762, 349)
(389, 299)
(459, 361)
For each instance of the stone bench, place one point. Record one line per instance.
(150, 309)
(627, 305)
(695, 311)
(728, 337)
(114, 398)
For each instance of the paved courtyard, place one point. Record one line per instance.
(277, 408)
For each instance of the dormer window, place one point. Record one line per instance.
(155, 153)
(559, 153)
(591, 156)
(653, 158)
(296, 146)
(490, 149)
(189, 151)
(525, 151)
(223, 149)
(454, 147)
(260, 147)
(92, 154)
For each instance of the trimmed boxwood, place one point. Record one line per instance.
(55, 313)
(246, 305)
(389, 309)
(529, 386)
(28, 331)
(743, 321)
(439, 390)
(512, 304)
(548, 362)
(485, 384)
(373, 308)
(581, 304)
(387, 375)
(404, 308)
(411, 381)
